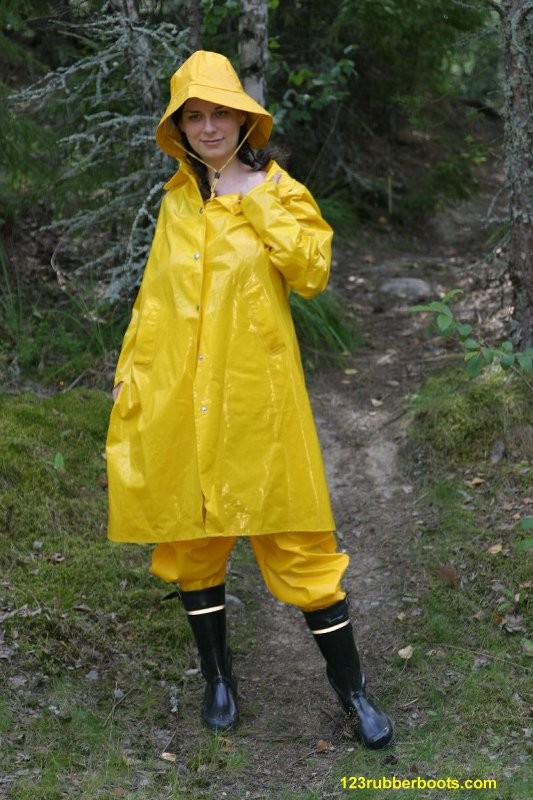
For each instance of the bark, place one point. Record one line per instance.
(517, 27)
(194, 21)
(253, 47)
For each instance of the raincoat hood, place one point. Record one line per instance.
(210, 76)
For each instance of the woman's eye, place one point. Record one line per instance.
(222, 112)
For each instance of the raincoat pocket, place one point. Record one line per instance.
(262, 315)
(127, 404)
(143, 353)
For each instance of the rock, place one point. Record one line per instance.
(497, 452)
(233, 602)
(408, 288)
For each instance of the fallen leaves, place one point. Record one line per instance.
(168, 757)
(54, 558)
(448, 575)
(476, 481)
(406, 653)
(513, 623)
(23, 611)
(6, 651)
(527, 647)
(388, 358)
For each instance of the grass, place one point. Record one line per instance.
(83, 622)
(96, 681)
(325, 330)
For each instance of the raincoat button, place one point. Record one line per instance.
(201, 210)
(196, 256)
(203, 409)
(201, 357)
(198, 308)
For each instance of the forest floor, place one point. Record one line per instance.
(293, 742)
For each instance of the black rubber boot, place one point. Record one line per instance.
(375, 729)
(207, 617)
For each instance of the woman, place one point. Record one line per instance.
(211, 436)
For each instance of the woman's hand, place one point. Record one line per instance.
(116, 390)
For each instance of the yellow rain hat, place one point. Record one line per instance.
(210, 76)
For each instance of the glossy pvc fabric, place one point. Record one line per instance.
(212, 432)
(299, 568)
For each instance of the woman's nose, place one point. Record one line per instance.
(209, 124)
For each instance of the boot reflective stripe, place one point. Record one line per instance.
(333, 628)
(206, 610)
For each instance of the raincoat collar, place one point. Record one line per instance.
(181, 176)
(185, 173)
(210, 76)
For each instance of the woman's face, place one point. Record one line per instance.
(212, 130)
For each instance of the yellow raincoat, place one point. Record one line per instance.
(212, 432)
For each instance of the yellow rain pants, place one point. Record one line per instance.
(303, 569)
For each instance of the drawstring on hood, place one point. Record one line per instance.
(210, 76)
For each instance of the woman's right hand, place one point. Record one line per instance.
(116, 390)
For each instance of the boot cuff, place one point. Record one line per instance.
(327, 617)
(204, 598)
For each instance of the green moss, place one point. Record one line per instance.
(79, 590)
(459, 419)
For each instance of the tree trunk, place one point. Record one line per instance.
(253, 47)
(517, 26)
(194, 20)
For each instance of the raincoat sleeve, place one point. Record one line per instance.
(289, 223)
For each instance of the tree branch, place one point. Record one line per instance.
(520, 17)
(495, 5)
